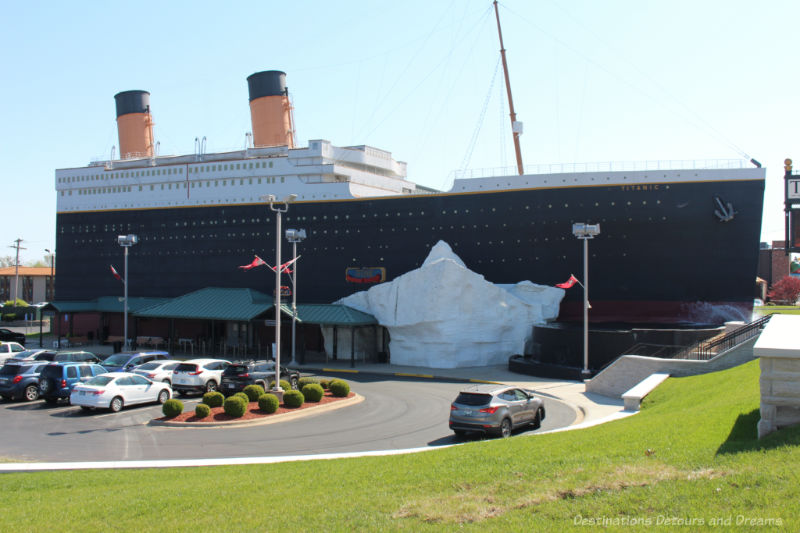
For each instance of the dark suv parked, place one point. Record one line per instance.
(57, 379)
(12, 336)
(239, 375)
(19, 380)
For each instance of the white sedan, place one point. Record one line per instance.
(115, 390)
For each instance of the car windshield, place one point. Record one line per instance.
(13, 370)
(149, 366)
(471, 398)
(100, 381)
(117, 359)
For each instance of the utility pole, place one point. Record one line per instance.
(17, 244)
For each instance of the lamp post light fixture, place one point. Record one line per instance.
(126, 241)
(294, 236)
(585, 232)
(279, 206)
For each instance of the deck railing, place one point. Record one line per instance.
(705, 350)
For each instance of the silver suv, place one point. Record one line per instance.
(496, 409)
(198, 375)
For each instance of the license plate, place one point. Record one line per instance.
(230, 385)
(82, 393)
(468, 412)
(179, 380)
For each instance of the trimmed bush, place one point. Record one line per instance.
(213, 399)
(235, 406)
(268, 403)
(172, 408)
(293, 398)
(284, 385)
(325, 383)
(313, 392)
(253, 392)
(302, 382)
(202, 410)
(339, 388)
(243, 396)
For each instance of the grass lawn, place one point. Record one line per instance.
(690, 458)
(776, 309)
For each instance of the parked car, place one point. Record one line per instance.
(57, 379)
(239, 375)
(198, 375)
(9, 349)
(127, 361)
(158, 370)
(12, 336)
(34, 355)
(496, 409)
(19, 380)
(78, 357)
(114, 390)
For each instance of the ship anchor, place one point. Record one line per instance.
(725, 213)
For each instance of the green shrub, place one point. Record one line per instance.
(302, 382)
(235, 406)
(202, 410)
(253, 392)
(10, 317)
(284, 385)
(213, 399)
(243, 396)
(268, 403)
(172, 408)
(293, 398)
(325, 383)
(313, 392)
(339, 388)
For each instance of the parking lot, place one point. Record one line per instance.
(397, 413)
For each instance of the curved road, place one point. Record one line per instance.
(396, 414)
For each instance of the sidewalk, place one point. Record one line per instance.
(590, 408)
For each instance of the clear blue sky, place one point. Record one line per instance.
(619, 80)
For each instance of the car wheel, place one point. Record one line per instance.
(31, 393)
(505, 428)
(163, 396)
(294, 383)
(7, 398)
(537, 420)
(262, 385)
(211, 386)
(116, 405)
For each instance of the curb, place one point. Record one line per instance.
(283, 417)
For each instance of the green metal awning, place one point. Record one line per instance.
(212, 303)
(330, 315)
(104, 304)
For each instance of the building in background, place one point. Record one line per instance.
(35, 283)
(773, 263)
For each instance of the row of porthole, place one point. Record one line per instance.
(164, 171)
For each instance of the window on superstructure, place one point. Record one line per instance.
(270, 164)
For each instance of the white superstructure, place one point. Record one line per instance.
(320, 171)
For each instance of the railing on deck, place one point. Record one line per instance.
(703, 351)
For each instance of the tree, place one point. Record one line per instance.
(6, 261)
(787, 290)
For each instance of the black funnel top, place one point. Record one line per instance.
(132, 102)
(267, 83)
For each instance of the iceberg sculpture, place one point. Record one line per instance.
(443, 315)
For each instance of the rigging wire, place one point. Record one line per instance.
(711, 130)
(473, 141)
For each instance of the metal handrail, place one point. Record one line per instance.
(705, 350)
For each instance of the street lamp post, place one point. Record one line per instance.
(294, 236)
(126, 241)
(50, 297)
(585, 232)
(279, 207)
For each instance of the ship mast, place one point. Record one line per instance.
(516, 127)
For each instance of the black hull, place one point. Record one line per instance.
(662, 257)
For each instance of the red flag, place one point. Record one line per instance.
(569, 283)
(285, 267)
(256, 262)
(115, 273)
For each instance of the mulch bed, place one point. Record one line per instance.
(253, 412)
